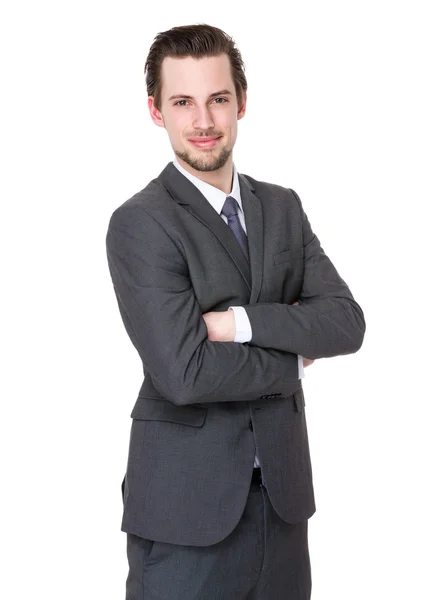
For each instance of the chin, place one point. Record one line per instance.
(206, 159)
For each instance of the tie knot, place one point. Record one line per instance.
(230, 207)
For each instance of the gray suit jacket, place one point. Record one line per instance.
(205, 407)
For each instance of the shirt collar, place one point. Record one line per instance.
(214, 196)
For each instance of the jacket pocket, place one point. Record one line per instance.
(158, 409)
(282, 257)
(124, 487)
(299, 400)
(292, 254)
(293, 409)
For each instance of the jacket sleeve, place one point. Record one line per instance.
(326, 322)
(244, 333)
(164, 322)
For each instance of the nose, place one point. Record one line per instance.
(203, 118)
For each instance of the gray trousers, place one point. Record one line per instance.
(263, 558)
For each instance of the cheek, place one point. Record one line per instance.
(226, 126)
(232, 132)
(178, 123)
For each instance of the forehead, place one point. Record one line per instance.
(195, 77)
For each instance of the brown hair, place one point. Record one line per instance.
(197, 41)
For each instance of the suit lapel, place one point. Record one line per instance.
(188, 195)
(253, 215)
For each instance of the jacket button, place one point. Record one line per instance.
(251, 426)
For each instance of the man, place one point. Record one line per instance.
(226, 294)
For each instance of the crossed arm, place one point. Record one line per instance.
(221, 328)
(164, 321)
(327, 321)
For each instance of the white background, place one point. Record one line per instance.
(337, 110)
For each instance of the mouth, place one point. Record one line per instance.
(204, 142)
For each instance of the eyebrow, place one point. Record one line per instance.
(184, 96)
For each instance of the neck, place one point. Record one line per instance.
(221, 178)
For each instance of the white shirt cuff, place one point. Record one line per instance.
(244, 333)
(301, 367)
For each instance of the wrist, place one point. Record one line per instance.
(231, 325)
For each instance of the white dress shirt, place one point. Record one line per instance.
(217, 199)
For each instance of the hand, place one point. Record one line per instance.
(306, 361)
(221, 325)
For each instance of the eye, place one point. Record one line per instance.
(219, 98)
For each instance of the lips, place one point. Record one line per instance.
(204, 142)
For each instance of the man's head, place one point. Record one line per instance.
(197, 90)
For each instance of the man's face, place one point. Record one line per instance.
(199, 103)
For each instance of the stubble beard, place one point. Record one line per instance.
(207, 163)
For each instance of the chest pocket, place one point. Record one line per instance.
(282, 257)
(293, 254)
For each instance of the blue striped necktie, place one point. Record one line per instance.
(230, 210)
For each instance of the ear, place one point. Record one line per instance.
(155, 113)
(243, 107)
